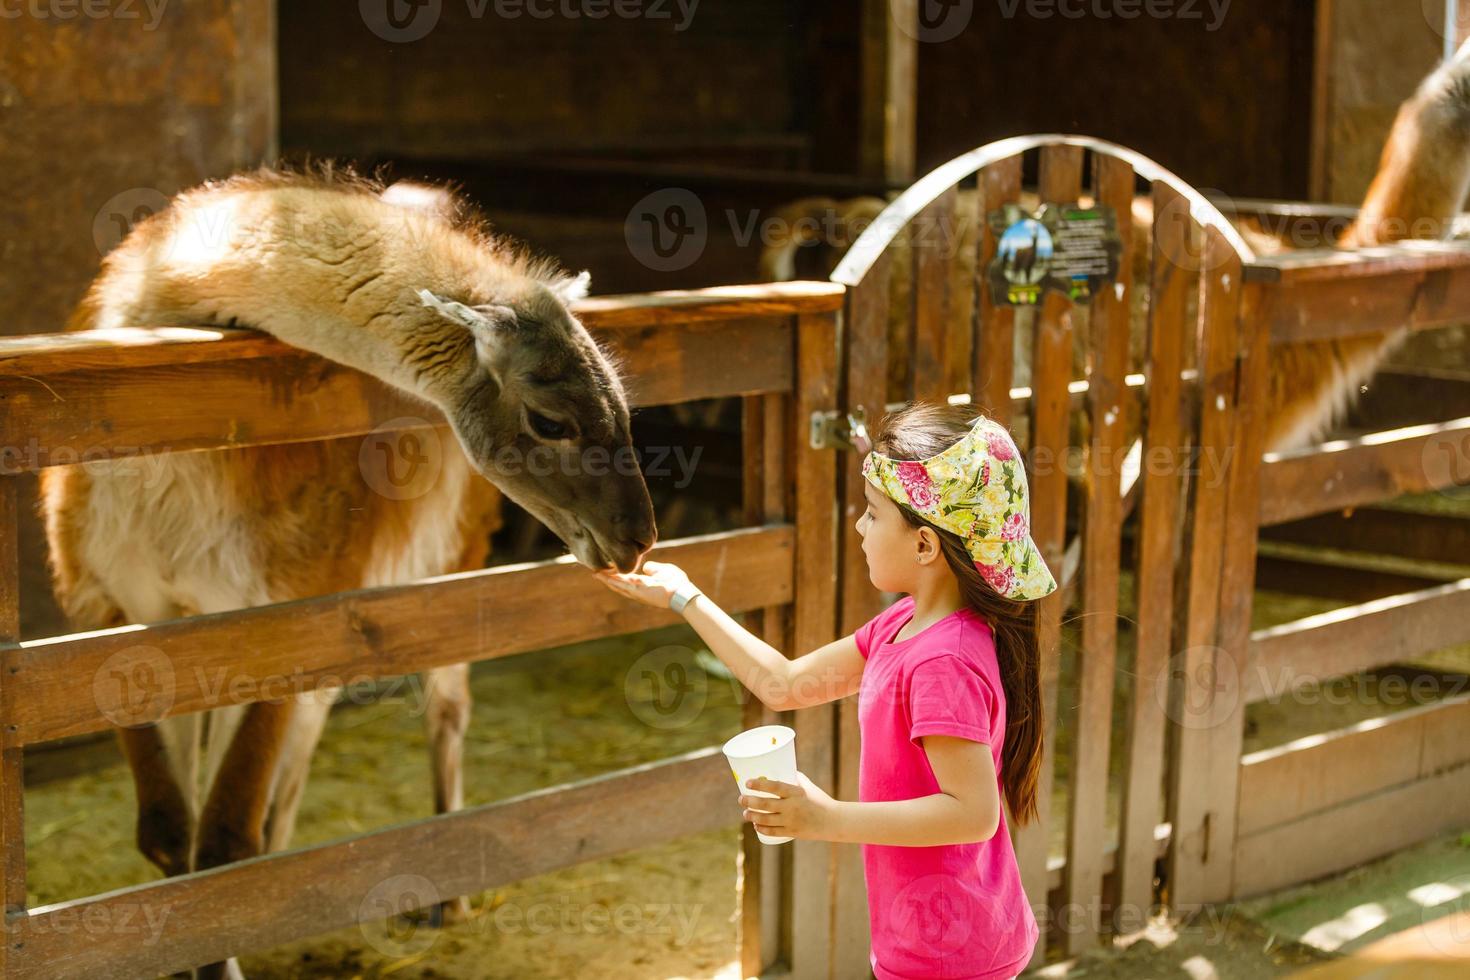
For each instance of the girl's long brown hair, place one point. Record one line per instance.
(926, 429)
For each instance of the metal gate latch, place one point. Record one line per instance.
(834, 430)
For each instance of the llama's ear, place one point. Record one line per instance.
(569, 289)
(487, 322)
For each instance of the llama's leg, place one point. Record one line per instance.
(165, 798)
(307, 724)
(447, 715)
(232, 823)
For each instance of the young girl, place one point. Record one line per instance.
(949, 696)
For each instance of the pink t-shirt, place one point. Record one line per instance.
(956, 911)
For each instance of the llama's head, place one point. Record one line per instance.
(542, 414)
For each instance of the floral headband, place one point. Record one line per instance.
(977, 489)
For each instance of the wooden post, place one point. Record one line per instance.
(865, 383)
(1061, 180)
(890, 89)
(1206, 756)
(1237, 582)
(1107, 406)
(763, 869)
(815, 508)
(1161, 419)
(994, 347)
(931, 229)
(12, 785)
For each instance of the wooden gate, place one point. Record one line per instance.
(1158, 433)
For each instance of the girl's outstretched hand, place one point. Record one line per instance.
(803, 810)
(654, 586)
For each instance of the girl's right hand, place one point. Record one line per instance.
(654, 586)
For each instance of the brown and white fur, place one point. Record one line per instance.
(1420, 187)
(332, 263)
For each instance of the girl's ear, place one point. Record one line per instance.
(927, 548)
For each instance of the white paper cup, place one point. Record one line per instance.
(768, 752)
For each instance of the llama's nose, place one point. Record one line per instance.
(636, 534)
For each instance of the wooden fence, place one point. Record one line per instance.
(72, 396)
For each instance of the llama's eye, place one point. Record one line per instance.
(547, 428)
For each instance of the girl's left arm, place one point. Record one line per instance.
(965, 810)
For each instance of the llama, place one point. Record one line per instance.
(408, 285)
(1420, 186)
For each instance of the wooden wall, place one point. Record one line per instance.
(102, 116)
(1226, 109)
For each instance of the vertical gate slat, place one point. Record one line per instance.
(1102, 538)
(931, 236)
(764, 494)
(1237, 580)
(993, 349)
(959, 345)
(1192, 859)
(865, 325)
(12, 777)
(1061, 180)
(814, 489)
(1158, 535)
(865, 330)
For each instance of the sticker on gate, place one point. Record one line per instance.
(1071, 249)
